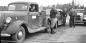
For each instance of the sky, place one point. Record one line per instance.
(44, 2)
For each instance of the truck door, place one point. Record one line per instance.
(34, 16)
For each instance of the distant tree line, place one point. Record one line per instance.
(3, 8)
(68, 6)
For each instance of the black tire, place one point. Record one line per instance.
(85, 23)
(17, 38)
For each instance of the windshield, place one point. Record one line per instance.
(18, 7)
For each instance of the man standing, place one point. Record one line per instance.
(53, 18)
(72, 14)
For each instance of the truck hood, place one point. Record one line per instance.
(5, 14)
(13, 12)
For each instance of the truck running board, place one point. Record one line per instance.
(36, 30)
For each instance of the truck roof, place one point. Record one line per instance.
(26, 3)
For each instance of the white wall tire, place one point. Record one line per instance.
(19, 36)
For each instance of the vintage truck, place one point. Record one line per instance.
(20, 19)
(80, 16)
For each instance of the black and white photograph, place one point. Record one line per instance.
(43, 21)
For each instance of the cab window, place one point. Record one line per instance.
(17, 7)
(11, 7)
(33, 8)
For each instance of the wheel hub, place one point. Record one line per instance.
(20, 34)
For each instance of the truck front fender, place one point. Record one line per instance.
(13, 27)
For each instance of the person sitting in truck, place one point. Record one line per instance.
(71, 14)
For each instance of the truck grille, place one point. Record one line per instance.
(77, 17)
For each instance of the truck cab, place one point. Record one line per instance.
(21, 18)
(80, 16)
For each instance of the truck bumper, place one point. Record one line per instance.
(80, 21)
(6, 40)
(5, 37)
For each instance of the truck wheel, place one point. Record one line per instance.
(19, 36)
(85, 23)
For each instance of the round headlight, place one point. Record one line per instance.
(8, 20)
